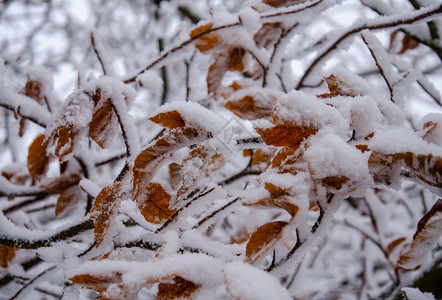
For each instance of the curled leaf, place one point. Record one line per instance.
(229, 60)
(193, 167)
(338, 87)
(285, 135)
(98, 283)
(61, 183)
(250, 107)
(429, 230)
(154, 206)
(263, 239)
(268, 34)
(38, 160)
(204, 40)
(335, 182)
(178, 288)
(68, 199)
(149, 160)
(169, 119)
(105, 208)
(103, 124)
(7, 254)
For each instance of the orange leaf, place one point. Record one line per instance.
(262, 157)
(98, 283)
(335, 182)
(408, 44)
(61, 183)
(204, 40)
(38, 160)
(151, 158)
(263, 239)
(155, 204)
(170, 119)
(230, 60)
(278, 199)
(104, 120)
(193, 167)
(216, 162)
(285, 135)
(6, 255)
(338, 87)
(429, 230)
(65, 137)
(249, 108)
(268, 34)
(68, 199)
(179, 289)
(393, 244)
(105, 208)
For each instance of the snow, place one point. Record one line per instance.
(302, 109)
(151, 81)
(329, 155)
(249, 18)
(400, 140)
(194, 115)
(416, 294)
(246, 282)
(435, 135)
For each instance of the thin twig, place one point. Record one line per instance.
(32, 281)
(65, 234)
(395, 23)
(175, 215)
(380, 67)
(157, 61)
(215, 213)
(97, 53)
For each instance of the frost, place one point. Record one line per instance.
(151, 81)
(416, 294)
(246, 282)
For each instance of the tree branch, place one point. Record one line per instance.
(390, 22)
(47, 242)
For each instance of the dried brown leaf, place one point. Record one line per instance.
(338, 87)
(101, 126)
(285, 135)
(429, 230)
(151, 158)
(7, 254)
(155, 205)
(68, 199)
(180, 288)
(249, 108)
(193, 167)
(204, 40)
(394, 244)
(264, 238)
(59, 184)
(408, 44)
(268, 34)
(38, 160)
(64, 138)
(98, 283)
(335, 182)
(104, 209)
(229, 60)
(170, 119)
(216, 162)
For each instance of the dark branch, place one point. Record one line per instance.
(60, 236)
